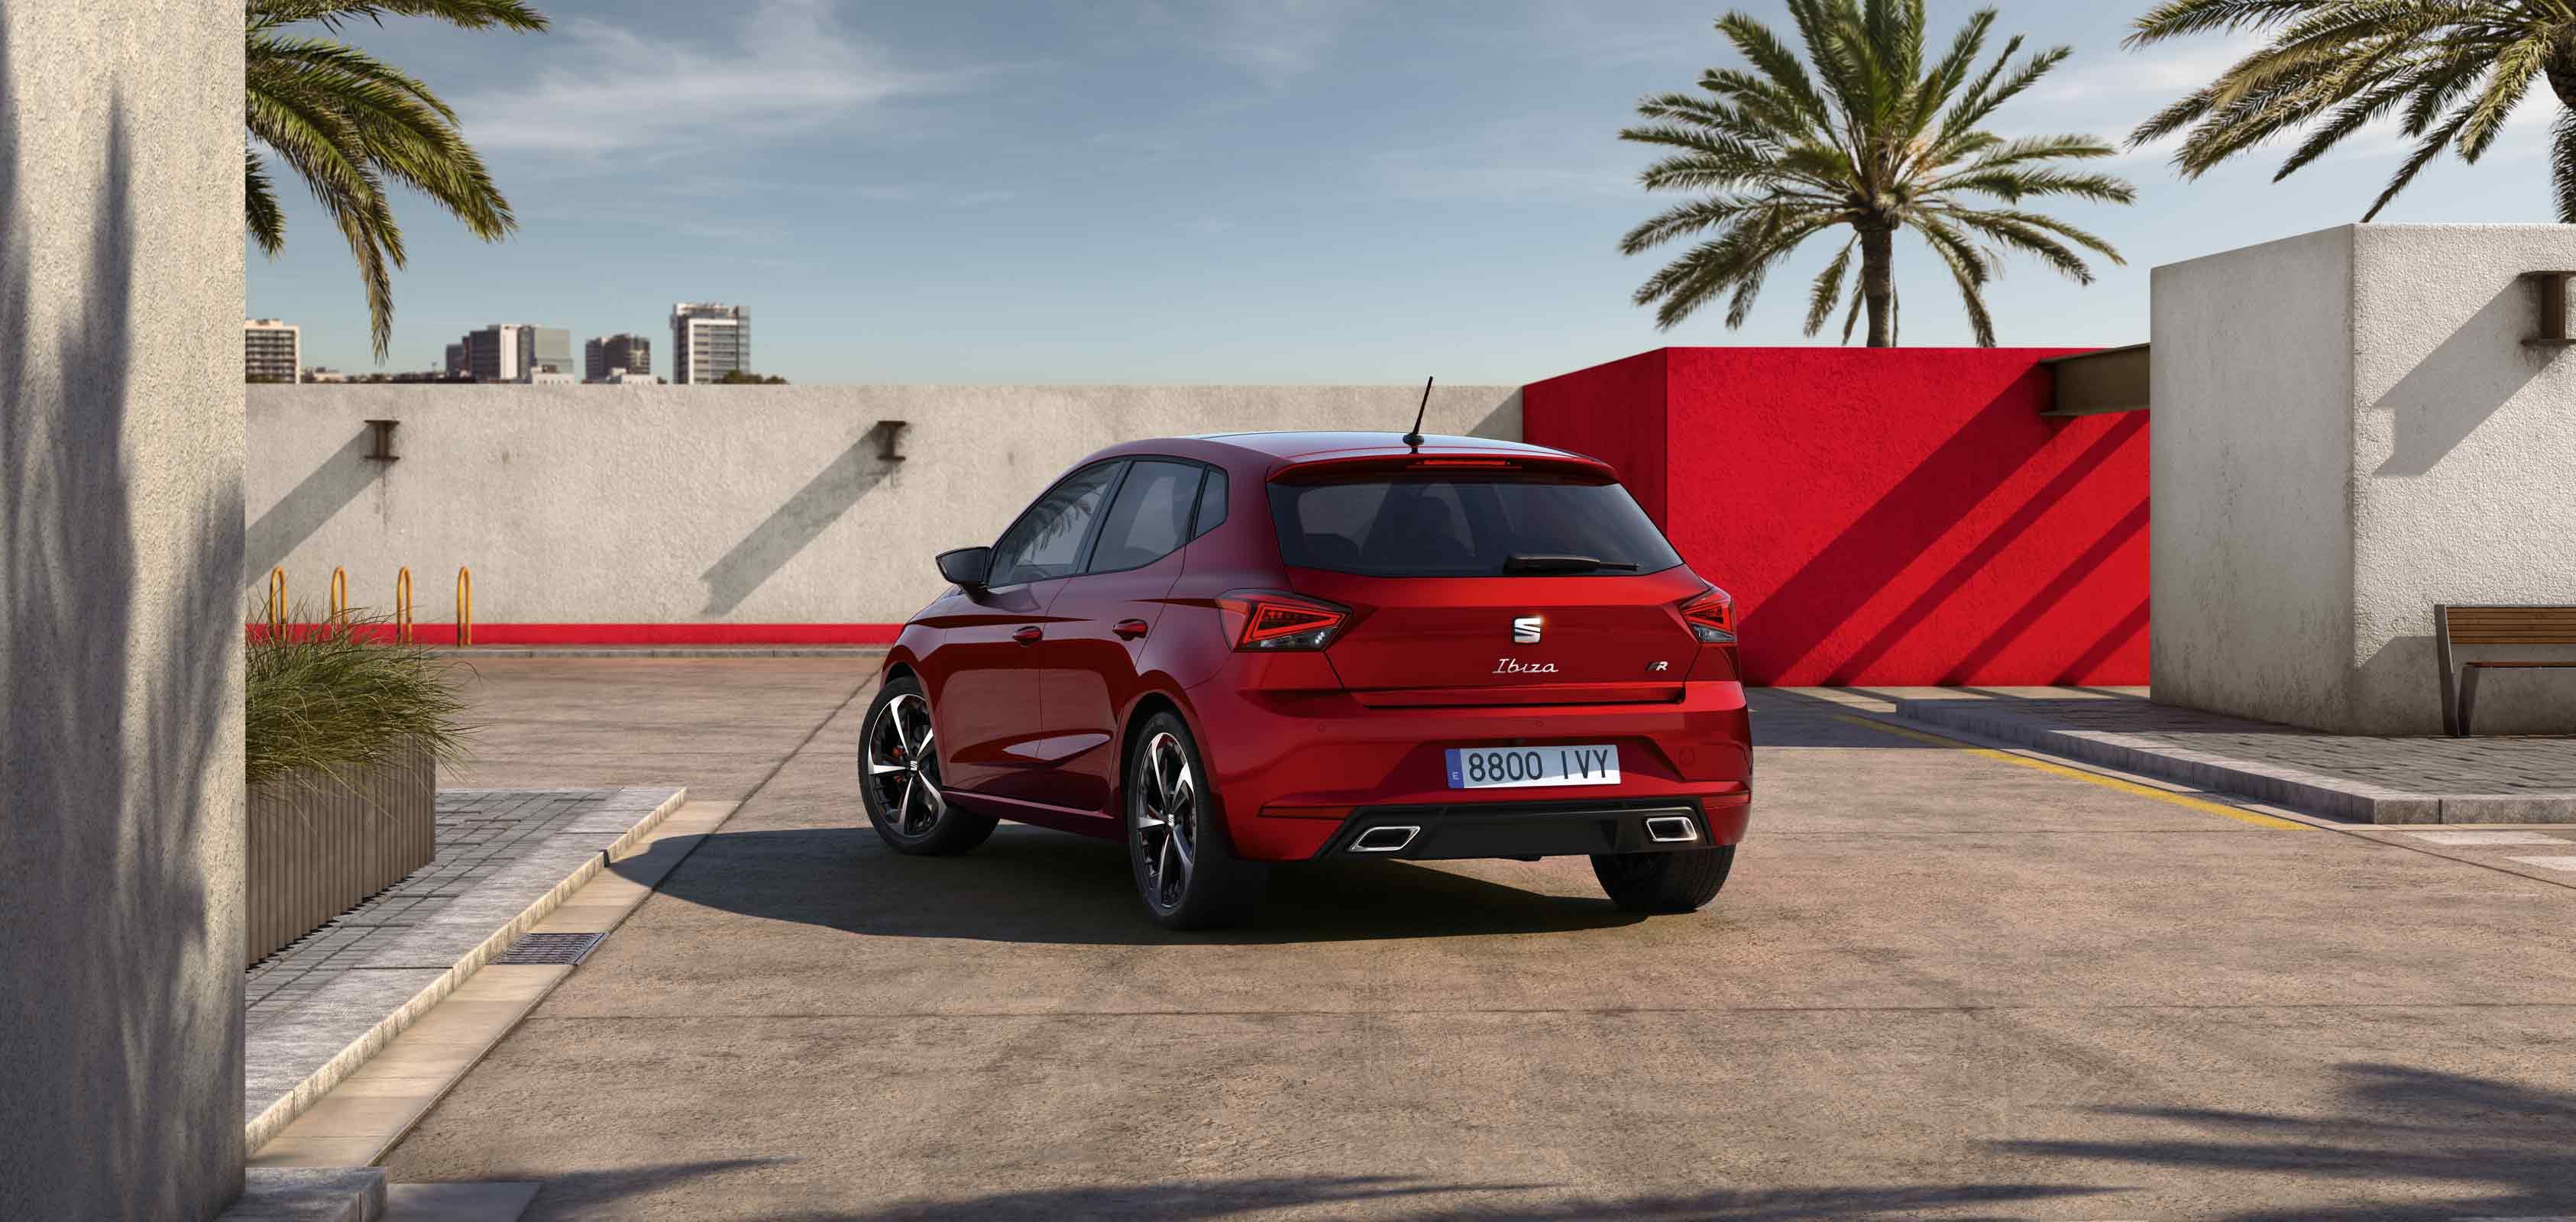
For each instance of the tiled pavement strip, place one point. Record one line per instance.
(479, 832)
(319, 1009)
(2372, 780)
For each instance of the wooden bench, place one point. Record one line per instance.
(2484, 626)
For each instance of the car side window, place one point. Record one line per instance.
(1048, 539)
(1211, 503)
(1151, 517)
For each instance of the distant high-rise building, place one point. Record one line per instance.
(492, 354)
(602, 358)
(272, 351)
(457, 366)
(546, 354)
(708, 341)
(513, 352)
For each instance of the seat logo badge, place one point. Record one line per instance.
(1658, 667)
(1506, 666)
(1525, 630)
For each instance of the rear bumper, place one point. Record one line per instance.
(1297, 772)
(1538, 829)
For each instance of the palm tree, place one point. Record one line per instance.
(1873, 141)
(2457, 67)
(346, 122)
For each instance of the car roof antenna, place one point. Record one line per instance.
(1414, 438)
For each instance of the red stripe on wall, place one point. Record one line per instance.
(641, 634)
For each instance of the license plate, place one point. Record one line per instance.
(1521, 767)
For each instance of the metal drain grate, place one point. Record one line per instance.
(564, 948)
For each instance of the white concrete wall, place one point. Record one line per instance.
(742, 504)
(2348, 429)
(120, 563)
(2250, 548)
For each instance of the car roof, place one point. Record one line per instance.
(1300, 446)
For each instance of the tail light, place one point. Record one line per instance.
(1265, 619)
(1711, 616)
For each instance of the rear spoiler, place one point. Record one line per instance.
(1468, 463)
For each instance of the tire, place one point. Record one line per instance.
(899, 777)
(1185, 868)
(1683, 881)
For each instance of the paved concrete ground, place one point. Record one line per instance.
(1941, 984)
(718, 726)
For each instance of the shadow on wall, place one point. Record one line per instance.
(794, 526)
(314, 499)
(2461, 383)
(1786, 629)
(1503, 423)
(121, 1037)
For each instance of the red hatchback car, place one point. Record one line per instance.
(1248, 648)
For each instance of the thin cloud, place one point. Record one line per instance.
(1276, 41)
(611, 91)
(2168, 71)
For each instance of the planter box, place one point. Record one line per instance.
(318, 845)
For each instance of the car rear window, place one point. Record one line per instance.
(1471, 526)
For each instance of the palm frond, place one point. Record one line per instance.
(1969, 272)
(347, 123)
(467, 14)
(2176, 18)
(260, 213)
(1828, 289)
(2451, 71)
(2562, 165)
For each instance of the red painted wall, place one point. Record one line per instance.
(1883, 517)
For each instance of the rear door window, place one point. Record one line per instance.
(1151, 517)
(1447, 526)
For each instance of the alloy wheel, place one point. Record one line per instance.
(1167, 820)
(903, 766)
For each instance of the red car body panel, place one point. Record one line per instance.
(1033, 726)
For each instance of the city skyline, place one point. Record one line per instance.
(986, 193)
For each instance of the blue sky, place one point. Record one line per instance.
(1246, 191)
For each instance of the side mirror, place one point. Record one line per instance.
(967, 566)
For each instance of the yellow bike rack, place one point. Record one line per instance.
(277, 603)
(402, 606)
(464, 605)
(340, 598)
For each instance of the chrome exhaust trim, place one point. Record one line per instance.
(1671, 829)
(1385, 838)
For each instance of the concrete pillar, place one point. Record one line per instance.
(2348, 430)
(120, 622)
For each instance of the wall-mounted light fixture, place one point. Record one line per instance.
(888, 433)
(383, 437)
(2552, 332)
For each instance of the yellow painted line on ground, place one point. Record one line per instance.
(2089, 778)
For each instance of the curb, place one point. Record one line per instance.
(2315, 792)
(306, 1093)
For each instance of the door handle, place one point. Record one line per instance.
(1129, 629)
(1028, 635)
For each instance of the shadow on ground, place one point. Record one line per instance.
(1784, 718)
(1031, 885)
(1418, 1199)
(2508, 1149)
(2402, 1142)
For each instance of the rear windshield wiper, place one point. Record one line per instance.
(1529, 563)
